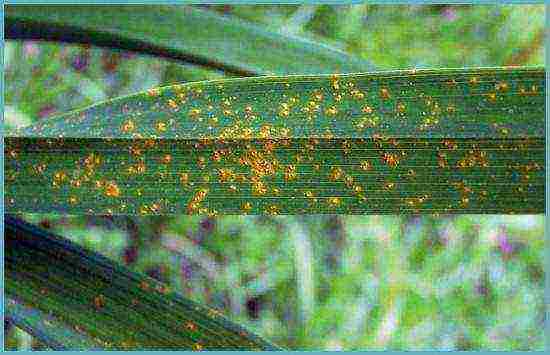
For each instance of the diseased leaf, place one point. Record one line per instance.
(430, 141)
(61, 288)
(183, 33)
(47, 328)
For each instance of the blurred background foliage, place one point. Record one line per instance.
(320, 282)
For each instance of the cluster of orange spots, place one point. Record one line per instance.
(385, 94)
(112, 189)
(400, 108)
(218, 154)
(160, 127)
(356, 94)
(225, 175)
(258, 186)
(172, 104)
(473, 158)
(464, 191)
(449, 144)
(138, 168)
(40, 168)
(153, 92)
(290, 173)
(201, 162)
(12, 153)
(451, 109)
(272, 210)
(135, 150)
(492, 97)
(99, 302)
(336, 174)
(194, 204)
(346, 146)
(162, 289)
(128, 126)
(194, 113)
(260, 164)
(501, 86)
(442, 160)
(533, 90)
(166, 159)
(246, 207)
(334, 201)
(77, 183)
(365, 165)
(415, 202)
(309, 194)
(190, 326)
(92, 161)
(367, 109)
(184, 178)
(331, 111)
(58, 178)
(284, 110)
(390, 159)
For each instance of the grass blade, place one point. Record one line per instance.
(104, 302)
(46, 328)
(185, 33)
(435, 141)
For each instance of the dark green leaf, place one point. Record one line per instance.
(182, 33)
(61, 288)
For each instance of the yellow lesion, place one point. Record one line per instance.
(160, 127)
(336, 174)
(59, 177)
(365, 165)
(112, 189)
(225, 175)
(290, 173)
(194, 204)
(272, 210)
(246, 207)
(331, 111)
(128, 126)
(390, 159)
(385, 94)
(334, 201)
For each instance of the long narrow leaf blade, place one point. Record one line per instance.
(443, 141)
(106, 303)
(183, 33)
(47, 328)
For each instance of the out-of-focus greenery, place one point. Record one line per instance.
(321, 282)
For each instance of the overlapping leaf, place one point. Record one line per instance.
(73, 298)
(186, 34)
(443, 141)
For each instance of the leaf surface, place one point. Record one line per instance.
(73, 298)
(433, 141)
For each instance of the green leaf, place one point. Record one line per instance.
(183, 33)
(430, 141)
(58, 288)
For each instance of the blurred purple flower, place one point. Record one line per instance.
(127, 55)
(449, 14)
(81, 61)
(186, 269)
(46, 111)
(505, 247)
(30, 49)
